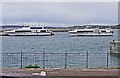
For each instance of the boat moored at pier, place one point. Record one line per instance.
(30, 31)
(91, 32)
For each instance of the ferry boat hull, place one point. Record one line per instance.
(30, 31)
(91, 32)
(31, 34)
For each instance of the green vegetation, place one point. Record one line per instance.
(116, 67)
(32, 66)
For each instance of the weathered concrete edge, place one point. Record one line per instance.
(62, 72)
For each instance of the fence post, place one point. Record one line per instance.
(43, 59)
(87, 59)
(66, 60)
(12, 59)
(21, 60)
(107, 59)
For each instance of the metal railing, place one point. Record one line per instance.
(55, 60)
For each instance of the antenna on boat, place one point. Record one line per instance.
(23, 24)
(5, 23)
(39, 23)
(42, 27)
(86, 27)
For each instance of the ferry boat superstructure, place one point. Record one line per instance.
(30, 31)
(91, 32)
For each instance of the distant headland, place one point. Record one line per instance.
(62, 29)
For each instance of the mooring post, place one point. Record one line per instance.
(66, 60)
(12, 58)
(107, 59)
(87, 59)
(21, 60)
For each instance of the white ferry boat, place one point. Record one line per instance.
(91, 32)
(30, 31)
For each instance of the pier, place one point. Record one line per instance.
(115, 47)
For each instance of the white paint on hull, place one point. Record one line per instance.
(30, 34)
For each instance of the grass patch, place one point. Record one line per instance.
(116, 67)
(32, 66)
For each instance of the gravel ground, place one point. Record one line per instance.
(112, 73)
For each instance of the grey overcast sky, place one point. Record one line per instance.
(61, 12)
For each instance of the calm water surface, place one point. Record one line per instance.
(60, 42)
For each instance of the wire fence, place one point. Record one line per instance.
(55, 60)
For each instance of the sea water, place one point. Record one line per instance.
(60, 42)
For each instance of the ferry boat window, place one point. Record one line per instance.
(26, 26)
(84, 31)
(35, 27)
(33, 30)
(23, 31)
(111, 31)
(103, 31)
(43, 30)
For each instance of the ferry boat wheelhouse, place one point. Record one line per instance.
(91, 32)
(30, 31)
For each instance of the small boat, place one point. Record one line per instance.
(91, 32)
(30, 31)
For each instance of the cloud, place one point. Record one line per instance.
(61, 12)
(59, 0)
